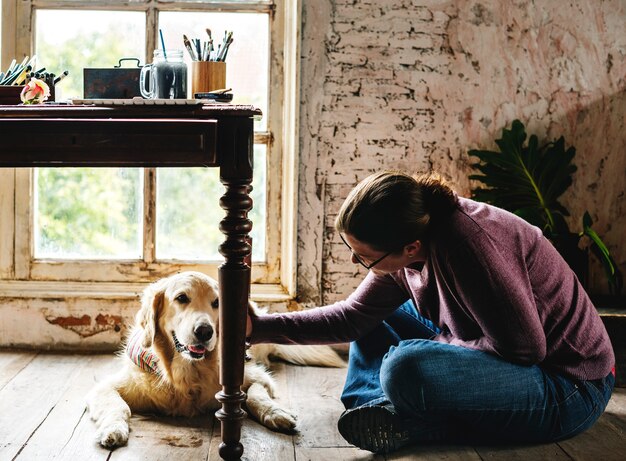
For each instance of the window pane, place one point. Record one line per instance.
(188, 216)
(73, 40)
(247, 62)
(88, 213)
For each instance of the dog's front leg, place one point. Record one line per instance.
(265, 410)
(110, 413)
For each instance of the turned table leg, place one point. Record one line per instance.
(235, 152)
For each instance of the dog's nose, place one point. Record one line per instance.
(203, 331)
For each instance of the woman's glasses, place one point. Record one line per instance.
(358, 258)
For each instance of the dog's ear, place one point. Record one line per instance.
(151, 308)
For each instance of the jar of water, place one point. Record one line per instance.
(166, 77)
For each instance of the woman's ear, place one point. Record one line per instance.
(414, 250)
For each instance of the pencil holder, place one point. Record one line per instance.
(207, 76)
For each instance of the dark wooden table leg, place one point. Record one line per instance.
(235, 146)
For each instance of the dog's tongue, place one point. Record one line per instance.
(196, 349)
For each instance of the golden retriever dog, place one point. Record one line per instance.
(170, 363)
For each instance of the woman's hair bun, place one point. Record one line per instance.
(439, 198)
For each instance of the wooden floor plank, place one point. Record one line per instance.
(28, 399)
(615, 413)
(414, 453)
(434, 453)
(66, 433)
(335, 454)
(616, 409)
(601, 442)
(11, 363)
(158, 438)
(80, 444)
(314, 395)
(549, 451)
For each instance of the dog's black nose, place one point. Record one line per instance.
(203, 331)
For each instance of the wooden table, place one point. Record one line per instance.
(161, 136)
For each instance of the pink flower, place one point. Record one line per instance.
(35, 92)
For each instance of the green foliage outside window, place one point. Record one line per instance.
(86, 49)
(88, 212)
(188, 214)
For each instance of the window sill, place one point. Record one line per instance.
(263, 293)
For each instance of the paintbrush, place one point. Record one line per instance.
(190, 48)
(228, 39)
(208, 32)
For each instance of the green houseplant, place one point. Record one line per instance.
(528, 179)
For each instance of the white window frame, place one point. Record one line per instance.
(21, 275)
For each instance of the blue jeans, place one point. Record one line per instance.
(452, 393)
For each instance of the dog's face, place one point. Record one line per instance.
(181, 310)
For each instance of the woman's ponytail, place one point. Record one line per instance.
(438, 197)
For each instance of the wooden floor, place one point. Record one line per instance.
(42, 417)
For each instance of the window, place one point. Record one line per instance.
(82, 225)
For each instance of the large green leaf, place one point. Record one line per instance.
(602, 253)
(526, 179)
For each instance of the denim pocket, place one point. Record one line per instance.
(580, 409)
(563, 389)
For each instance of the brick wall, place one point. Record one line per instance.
(413, 85)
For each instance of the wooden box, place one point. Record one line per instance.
(10, 94)
(112, 83)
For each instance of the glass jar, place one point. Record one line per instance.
(166, 77)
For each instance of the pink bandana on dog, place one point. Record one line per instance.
(142, 357)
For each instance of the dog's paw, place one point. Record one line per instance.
(114, 435)
(280, 419)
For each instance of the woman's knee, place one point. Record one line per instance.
(406, 372)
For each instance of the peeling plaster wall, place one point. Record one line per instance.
(415, 84)
(65, 323)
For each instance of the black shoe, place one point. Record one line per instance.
(376, 428)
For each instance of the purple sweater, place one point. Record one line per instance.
(491, 282)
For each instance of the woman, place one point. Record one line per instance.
(468, 327)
